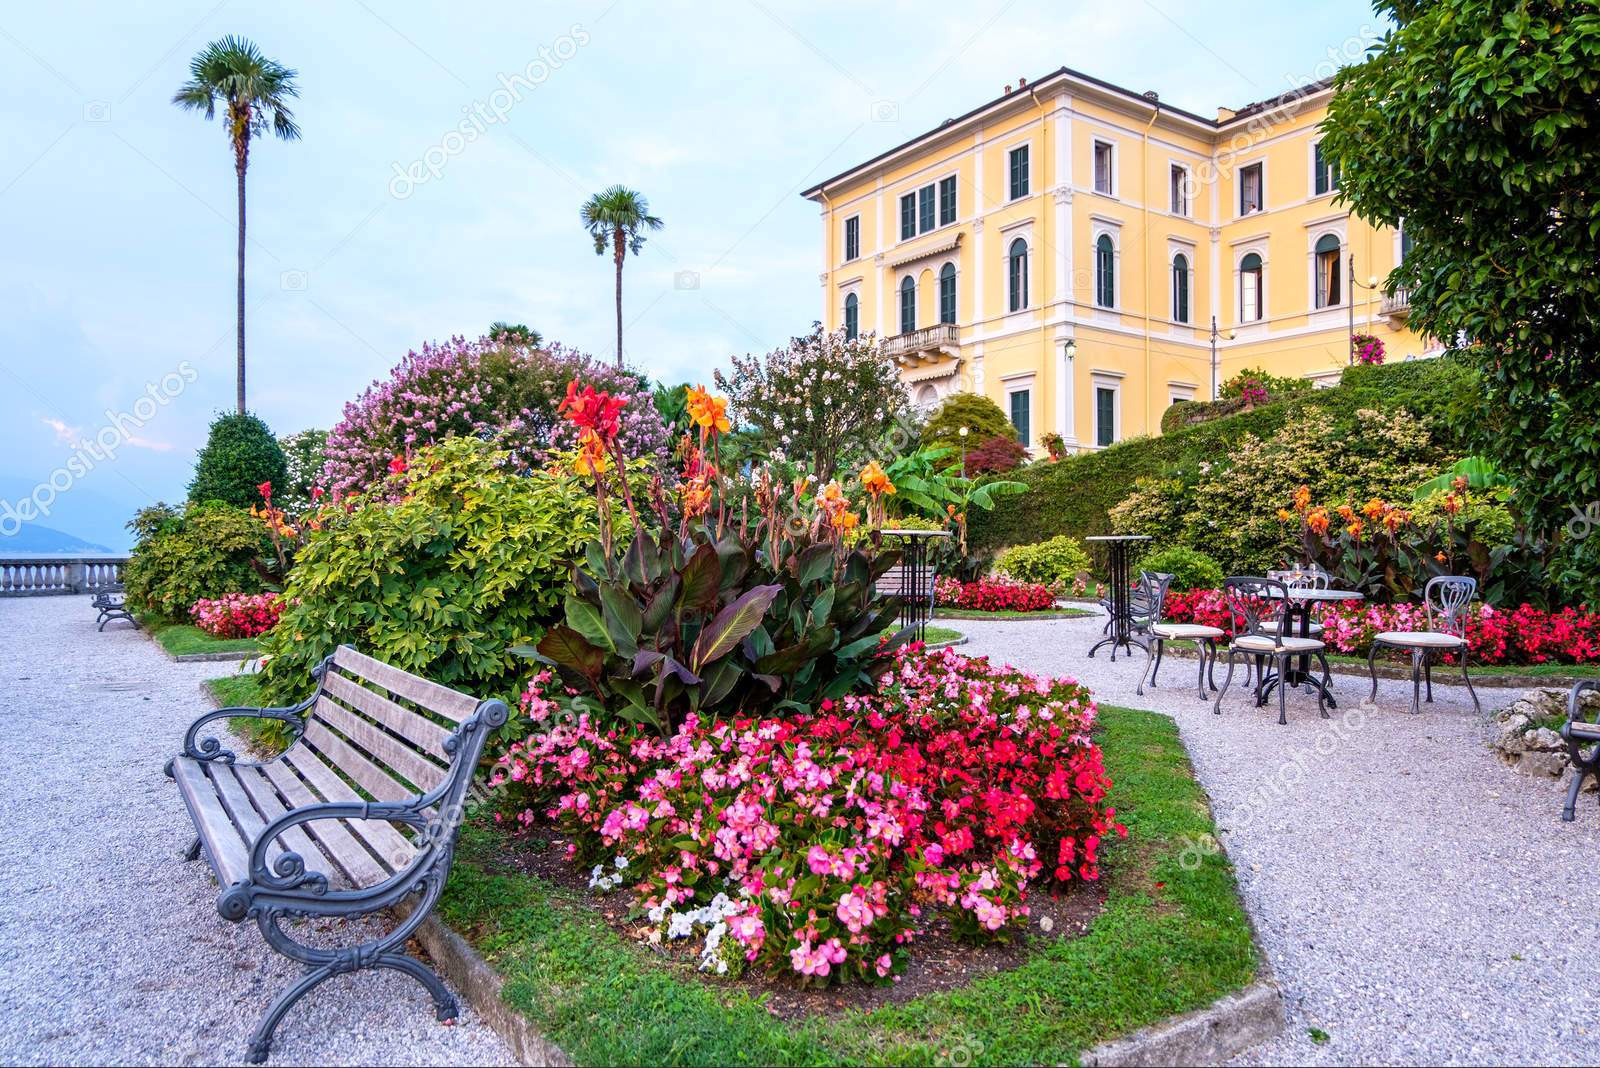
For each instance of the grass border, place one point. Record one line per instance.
(1173, 938)
(185, 641)
(1012, 614)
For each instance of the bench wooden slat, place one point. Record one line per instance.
(367, 775)
(240, 807)
(431, 695)
(228, 854)
(1582, 729)
(264, 794)
(385, 750)
(429, 736)
(391, 846)
(332, 835)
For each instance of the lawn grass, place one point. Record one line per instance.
(933, 635)
(1012, 613)
(1168, 940)
(264, 736)
(185, 639)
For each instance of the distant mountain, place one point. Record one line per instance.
(36, 540)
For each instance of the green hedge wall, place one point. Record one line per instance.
(1074, 495)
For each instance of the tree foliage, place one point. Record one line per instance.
(184, 554)
(981, 416)
(824, 400)
(1475, 122)
(240, 455)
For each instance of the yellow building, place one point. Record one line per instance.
(1066, 248)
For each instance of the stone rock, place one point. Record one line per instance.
(1553, 765)
(1543, 740)
(1538, 750)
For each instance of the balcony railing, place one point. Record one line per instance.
(928, 339)
(42, 576)
(1397, 303)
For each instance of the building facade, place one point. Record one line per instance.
(1066, 248)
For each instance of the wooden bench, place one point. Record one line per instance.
(111, 604)
(1580, 734)
(359, 814)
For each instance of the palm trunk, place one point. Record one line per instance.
(621, 249)
(241, 162)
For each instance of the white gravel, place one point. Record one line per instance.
(111, 949)
(1420, 902)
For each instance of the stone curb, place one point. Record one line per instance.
(1213, 1035)
(990, 617)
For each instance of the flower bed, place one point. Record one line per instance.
(1524, 635)
(993, 595)
(822, 844)
(237, 615)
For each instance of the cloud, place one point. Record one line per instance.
(67, 435)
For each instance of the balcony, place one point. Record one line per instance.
(1396, 305)
(930, 342)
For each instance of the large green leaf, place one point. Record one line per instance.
(586, 619)
(792, 658)
(660, 606)
(566, 647)
(728, 628)
(702, 580)
(815, 564)
(623, 620)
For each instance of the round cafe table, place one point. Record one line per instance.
(916, 587)
(1122, 631)
(1297, 621)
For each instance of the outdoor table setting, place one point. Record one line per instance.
(1121, 630)
(1298, 604)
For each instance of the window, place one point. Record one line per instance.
(1180, 288)
(1105, 415)
(1250, 288)
(852, 237)
(1251, 196)
(1019, 171)
(947, 200)
(852, 317)
(947, 293)
(1102, 167)
(1180, 190)
(1405, 242)
(1327, 170)
(908, 216)
(1017, 275)
(1020, 412)
(917, 208)
(1105, 272)
(1327, 294)
(925, 209)
(908, 305)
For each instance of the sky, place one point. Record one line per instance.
(382, 228)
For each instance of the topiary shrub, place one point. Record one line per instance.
(240, 455)
(185, 554)
(1054, 563)
(981, 416)
(1190, 569)
(469, 559)
(995, 456)
(484, 388)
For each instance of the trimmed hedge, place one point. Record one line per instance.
(1074, 495)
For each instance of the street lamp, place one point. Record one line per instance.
(963, 432)
(1371, 283)
(1230, 335)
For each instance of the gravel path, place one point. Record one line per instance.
(1420, 902)
(111, 950)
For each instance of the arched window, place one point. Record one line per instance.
(947, 293)
(1017, 275)
(908, 305)
(852, 317)
(1250, 288)
(1328, 280)
(1180, 288)
(1105, 272)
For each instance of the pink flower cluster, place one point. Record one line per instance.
(237, 615)
(993, 595)
(480, 388)
(825, 843)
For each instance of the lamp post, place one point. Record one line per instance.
(1371, 283)
(1215, 367)
(963, 432)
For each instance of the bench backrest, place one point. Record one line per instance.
(389, 731)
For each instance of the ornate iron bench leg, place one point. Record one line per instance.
(1569, 811)
(193, 852)
(445, 1007)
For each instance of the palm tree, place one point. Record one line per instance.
(517, 333)
(618, 217)
(253, 91)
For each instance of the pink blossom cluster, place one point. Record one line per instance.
(237, 615)
(829, 841)
(480, 388)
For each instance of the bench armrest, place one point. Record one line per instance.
(1577, 728)
(293, 715)
(288, 871)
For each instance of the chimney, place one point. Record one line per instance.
(1022, 83)
(1008, 89)
(1224, 114)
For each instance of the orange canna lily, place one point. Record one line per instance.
(1302, 498)
(1284, 515)
(1355, 528)
(1317, 520)
(1373, 508)
(874, 481)
(708, 412)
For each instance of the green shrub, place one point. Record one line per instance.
(304, 455)
(1055, 562)
(240, 454)
(471, 560)
(184, 554)
(981, 416)
(1190, 569)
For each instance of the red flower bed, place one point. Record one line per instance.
(237, 615)
(823, 843)
(994, 595)
(1523, 635)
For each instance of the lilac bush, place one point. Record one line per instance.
(484, 388)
